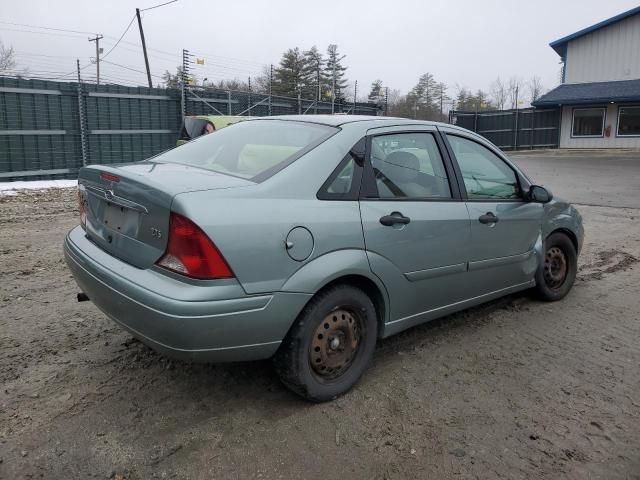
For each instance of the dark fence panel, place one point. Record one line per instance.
(50, 129)
(513, 129)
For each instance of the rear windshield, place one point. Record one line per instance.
(254, 149)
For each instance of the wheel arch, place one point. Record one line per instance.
(370, 288)
(349, 267)
(567, 232)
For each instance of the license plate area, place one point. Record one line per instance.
(122, 220)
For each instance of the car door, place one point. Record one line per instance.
(415, 224)
(504, 227)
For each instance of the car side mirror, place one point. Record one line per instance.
(539, 194)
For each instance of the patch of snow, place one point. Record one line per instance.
(13, 188)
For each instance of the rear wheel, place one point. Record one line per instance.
(328, 349)
(557, 273)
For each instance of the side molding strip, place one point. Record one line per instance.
(436, 272)
(495, 262)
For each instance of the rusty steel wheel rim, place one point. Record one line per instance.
(555, 267)
(335, 344)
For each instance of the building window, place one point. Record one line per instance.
(588, 122)
(629, 121)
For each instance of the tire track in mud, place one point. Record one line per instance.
(511, 389)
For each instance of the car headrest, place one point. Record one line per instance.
(402, 166)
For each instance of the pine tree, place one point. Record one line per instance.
(425, 98)
(319, 84)
(334, 70)
(291, 76)
(441, 99)
(376, 94)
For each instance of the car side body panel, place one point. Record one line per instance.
(284, 245)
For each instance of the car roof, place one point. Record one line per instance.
(337, 120)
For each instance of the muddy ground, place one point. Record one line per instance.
(513, 389)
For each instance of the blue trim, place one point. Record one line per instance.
(560, 46)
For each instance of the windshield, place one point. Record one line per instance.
(253, 149)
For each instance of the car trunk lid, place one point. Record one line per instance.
(128, 206)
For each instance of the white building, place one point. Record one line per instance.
(600, 91)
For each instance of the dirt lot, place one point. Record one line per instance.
(513, 389)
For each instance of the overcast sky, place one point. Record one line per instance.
(464, 42)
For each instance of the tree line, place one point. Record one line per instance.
(317, 75)
(310, 74)
(430, 99)
(321, 76)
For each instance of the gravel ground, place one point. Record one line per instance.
(513, 389)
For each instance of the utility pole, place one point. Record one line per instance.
(355, 97)
(81, 117)
(386, 101)
(144, 47)
(515, 123)
(318, 79)
(270, 86)
(249, 97)
(441, 100)
(98, 51)
(333, 90)
(183, 80)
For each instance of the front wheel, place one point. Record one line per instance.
(330, 346)
(557, 273)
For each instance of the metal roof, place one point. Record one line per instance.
(590, 93)
(560, 46)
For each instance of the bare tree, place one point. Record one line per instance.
(499, 93)
(260, 84)
(7, 58)
(535, 88)
(514, 91)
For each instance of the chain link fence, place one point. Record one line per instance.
(49, 129)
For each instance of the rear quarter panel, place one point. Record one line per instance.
(250, 224)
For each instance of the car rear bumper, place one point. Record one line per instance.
(201, 321)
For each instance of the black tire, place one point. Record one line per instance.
(557, 273)
(351, 319)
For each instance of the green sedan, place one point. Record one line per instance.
(305, 239)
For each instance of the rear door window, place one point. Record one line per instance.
(409, 165)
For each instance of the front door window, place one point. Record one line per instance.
(485, 175)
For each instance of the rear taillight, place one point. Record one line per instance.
(109, 177)
(190, 252)
(82, 206)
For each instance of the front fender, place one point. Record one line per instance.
(331, 266)
(560, 215)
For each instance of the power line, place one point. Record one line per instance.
(47, 28)
(42, 33)
(121, 37)
(30, 54)
(74, 71)
(156, 6)
(129, 68)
